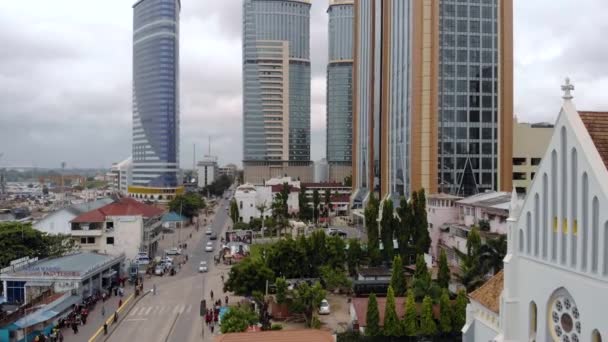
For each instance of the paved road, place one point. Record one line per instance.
(173, 314)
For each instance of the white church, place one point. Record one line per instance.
(554, 286)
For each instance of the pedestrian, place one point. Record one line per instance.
(222, 276)
(211, 327)
(119, 303)
(211, 294)
(103, 311)
(116, 317)
(226, 300)
(75, 327)
(105, 328)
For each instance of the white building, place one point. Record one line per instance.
(228, 170)
(556, 269)
(321, 171)
(249, 197)
(58, 222)
(206, 170)
(120, 174)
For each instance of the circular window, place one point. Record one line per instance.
(565, 322)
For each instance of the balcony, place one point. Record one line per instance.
(87, 229)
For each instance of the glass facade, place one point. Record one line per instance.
(156, 93)
(468, 96)
(339, 85)
(276, 80)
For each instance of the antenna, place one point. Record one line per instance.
(209, 145)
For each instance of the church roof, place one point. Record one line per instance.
(596, 124)
(488, 294)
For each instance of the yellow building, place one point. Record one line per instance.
(530, 142)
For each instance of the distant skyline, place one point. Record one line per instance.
(65, 75)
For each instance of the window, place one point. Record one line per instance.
(574, 205)
(595, 336)
(90, 240)
(533, 320)
(241, 205)
(536, 224)
(83, 240)
(585, 215)
(595, 234)
(519, 176)
(545, 213)
(110, 240)
(535, 161)
(109, 225)
(564, 191)
(521, 241)
(528, 232)
(519, 161)
(554, 196)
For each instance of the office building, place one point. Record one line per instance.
(229, 170)
(206, 170)
(433, 89)
(276, 89)
(530, 142)
(155, 100)
(340, 89)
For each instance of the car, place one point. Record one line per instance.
(324, 308)
(209, 231)
(209, 247)
(338, 232)
(213, 237)
(202, 267)
(159, 270)
(166, 259)
(174, 251)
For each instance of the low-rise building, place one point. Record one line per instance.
(250, 198)
(228, 170)
(126, 226)
(340, 195)
(59, 221)
(206, 170)
(529, 144)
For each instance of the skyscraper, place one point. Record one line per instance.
(339, 89)
(276, 89)
(433, 97)
(155, 100)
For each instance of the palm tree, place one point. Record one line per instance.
(492, 254)
(262, 209)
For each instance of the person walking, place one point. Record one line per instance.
(115, 316)
(226, 300)
(119, 303)
(105, 328)
(103, 311)
(211, 295)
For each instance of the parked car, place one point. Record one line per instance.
(202, 267)
(159, 270)
(338, 232)
(209, 231)
(174, 251)
(324, 308)
(213, 237)
(209, 247)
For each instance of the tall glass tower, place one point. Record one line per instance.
(276, 89)
(340, 89)
(155, 99)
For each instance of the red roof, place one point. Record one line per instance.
(279, 187)
(340, 198)
(597, 126)
(124, 207)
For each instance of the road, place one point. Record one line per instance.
(173, 313)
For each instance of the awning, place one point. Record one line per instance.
(39, 283)
(48, 312)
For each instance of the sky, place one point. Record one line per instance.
(65, 75)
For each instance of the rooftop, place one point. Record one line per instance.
(299, 335)
(360, 306)
(124, 207)
(375, 271)
(489, 293)
(443, 196)
(597, 126)
(69, 265)
(490, 199)
(324, 185)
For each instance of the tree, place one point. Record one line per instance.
(348, 180)
(459, 313)
(492, 253)
(254, 224)
(445, 312)
(397, 278)
(403, 229)
(422, 285)
(354, 254)
(262, 209)
(386, 226)
(391, 325)
(247, 276)
(422, 238)
(328, 205)
(281, 285)
(335, 252)
(238, 319)
(188, 204)
(471, 269)
(18, 240)
(410, 319)
(373, 317)
(218, 186)
(428, 327)
(443, 278)
(306, 300)
(234, 211)
(371, 223)
(316, 200)
(334, 278)
(304, 204)
(484, 225)
(284, 257)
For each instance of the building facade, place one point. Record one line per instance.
(276, 89)
(120, 176)
(155, 99)
(340, 89)
(530, 142)
(227, 170)
(58, 222)
(206, 170)
(433, 95)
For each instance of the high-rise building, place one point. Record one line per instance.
(207, 170)
(276, 89)
(155, 100)
(340, 89)
(433, 96)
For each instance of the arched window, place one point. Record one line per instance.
(585, 220)
(545, 214)
(605, 248)
(554, 195)
(564, 193)
(573, 206)
(533, 320)
(241, 205)
(521, 241)
(536, 224)
(528, 232)
(595, 234)
(595, 336)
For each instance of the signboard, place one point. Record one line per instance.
(64, 286)
(50, 272)
(245, 236)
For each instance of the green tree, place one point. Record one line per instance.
(348, 180)
(445, 312)
(334, 278)
(354, 254)
(410, 319)
(459, 313)
(188, 204)
(404, 227)
(391, 325)
(422, 237)
(335, 252)
(262, 209)
(373, 317)
(238, 319)
(234, 211)
(428, 327)
(443, 278)
(422, 284)
(371, 223)
(316, 200)
(306, 300)
(304, 203)
(386, 225)
(397, 277)
(247, 276)
(18, 240)
(281, 294)
(472, 271)
(492, 253)
(484, 225)
(284, 257)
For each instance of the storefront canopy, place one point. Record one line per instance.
(173, 217)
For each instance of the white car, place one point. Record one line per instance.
(174, 251)
(324, 308)
(209, 247)
(202, 267)
(209, 231)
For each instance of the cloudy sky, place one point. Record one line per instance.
(65, 75)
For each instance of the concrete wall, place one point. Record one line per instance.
(56, 223)
(128, 237)
(337, 173)
(528, 142)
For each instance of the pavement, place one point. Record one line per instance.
(172, 314)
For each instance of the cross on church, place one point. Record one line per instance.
(567, 88)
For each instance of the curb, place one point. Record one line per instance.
(111, 327)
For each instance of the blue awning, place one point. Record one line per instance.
(173, 217)
(48, 312)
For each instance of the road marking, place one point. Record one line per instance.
(134, 312)
(188, 308)
(109, 319)
(178, 309)
(135, 319)
(148, 311)
(161, 309)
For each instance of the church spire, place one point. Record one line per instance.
(567, 88)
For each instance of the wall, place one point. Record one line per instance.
(528, 142)
(56, 223)
(128, 236)
(257, 174)
(439, 212)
